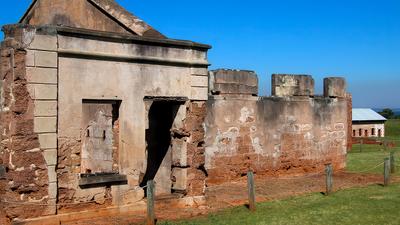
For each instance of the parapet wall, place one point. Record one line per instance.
(290, 133)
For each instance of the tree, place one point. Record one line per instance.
(387, 113)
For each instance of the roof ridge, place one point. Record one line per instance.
(132, 22)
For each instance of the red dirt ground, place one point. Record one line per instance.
(235, 194)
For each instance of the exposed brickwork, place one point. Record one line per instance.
(68, 169)
(26, 177)
(195, 149)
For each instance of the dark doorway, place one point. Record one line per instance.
(161, 116)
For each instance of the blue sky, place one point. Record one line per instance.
(359, 40)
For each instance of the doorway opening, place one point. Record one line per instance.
(161, 117)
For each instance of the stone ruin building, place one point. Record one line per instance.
(95, 102)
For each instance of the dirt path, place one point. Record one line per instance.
(235, 194)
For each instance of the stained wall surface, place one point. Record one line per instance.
(57, 73)
(274, 135)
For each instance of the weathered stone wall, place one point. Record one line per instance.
(26, 180)
(42, 114)
(118, 76)
(194, 125)
(274, 135)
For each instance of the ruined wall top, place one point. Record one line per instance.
(335, 87)
(230, 82)
(233, 82)
(292, 85)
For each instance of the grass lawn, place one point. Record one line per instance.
(368, 156)
(392, 129)
(370, 205)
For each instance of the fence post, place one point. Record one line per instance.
(361, 144)
(329, 179)
(251, 191)
(386, 173)
(392, 163)
(151, 219)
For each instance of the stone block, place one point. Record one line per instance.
(244, 77)
(180, 179)
(51, 173)
(45, 124)
(44, 42)
(50, 156)
(48, 141)
(45, 108)
(199, 81)
(199, 93)
(235, 89)
(199, 71)
(292, 85)
(43, 91)
(52, 190)
(51, 209)
(41, 75)
(179, 118)
(335, 87)
(179, 152)
(241, 82)
(30, 58)
(46, 59)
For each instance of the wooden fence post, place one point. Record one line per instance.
(329, 179)
(386, 172)
(251, 191)
(361, 144)
(151, 218)
(392, 163)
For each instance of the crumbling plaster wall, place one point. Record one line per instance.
(42, 110)
(95, 76)
(28, 138)
(279, 135)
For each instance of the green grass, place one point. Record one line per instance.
(392, 129)
(363, 158)
(369, 157)
(370, 205)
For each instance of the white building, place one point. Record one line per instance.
(368, 123)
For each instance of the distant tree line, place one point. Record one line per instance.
(389, 114)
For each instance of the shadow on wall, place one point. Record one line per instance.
(158, 136)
